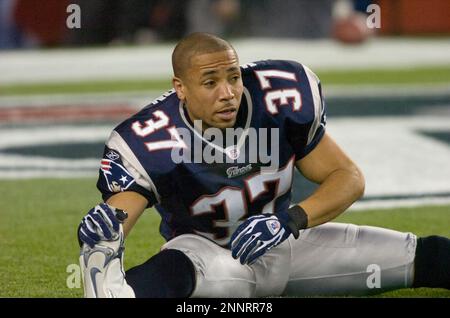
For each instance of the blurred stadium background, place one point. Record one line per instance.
(62, 91)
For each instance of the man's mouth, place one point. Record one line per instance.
(227, 113)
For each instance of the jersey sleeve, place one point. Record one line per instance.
(307, 128)
(121, 171)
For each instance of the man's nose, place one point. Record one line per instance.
(226, 92)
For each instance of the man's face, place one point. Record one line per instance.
(212, 88)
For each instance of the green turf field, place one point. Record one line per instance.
(39, 218)
(420, 75)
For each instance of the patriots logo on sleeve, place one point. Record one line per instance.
(116, 176)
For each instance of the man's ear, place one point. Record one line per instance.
(179, 88)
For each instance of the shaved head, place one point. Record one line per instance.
(196, 44)
(208, 80)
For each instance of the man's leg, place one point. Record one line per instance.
(345, 259)
(168, 274)
(191, 265)
(432, 262)
(217, 274)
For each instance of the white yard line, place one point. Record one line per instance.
(62, 174)
(393, 90)
(154, 62)
(19, 137)
(407, 202)
(393, 156)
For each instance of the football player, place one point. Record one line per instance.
(230, 228)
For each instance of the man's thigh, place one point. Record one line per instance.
(345, 259)
(218, 274)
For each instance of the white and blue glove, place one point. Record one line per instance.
(259, 233)
(102, 223)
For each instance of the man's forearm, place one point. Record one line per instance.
(338, 191)
(133, 203)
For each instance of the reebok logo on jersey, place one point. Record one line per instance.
(273, 225)
(112, 155)
(238, 171)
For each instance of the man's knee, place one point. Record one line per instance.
(217, 273)
(168, 274)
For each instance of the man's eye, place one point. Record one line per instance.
(209, 83)
(235, 78)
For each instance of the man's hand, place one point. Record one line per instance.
(257, 235)
(102, 223)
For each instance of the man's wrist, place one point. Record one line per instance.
(298, 220)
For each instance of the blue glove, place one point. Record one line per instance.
(257, 235)
(101, 223)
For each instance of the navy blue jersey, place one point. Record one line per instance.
(282, 112)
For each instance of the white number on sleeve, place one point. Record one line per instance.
(280, 97)
(153, 125)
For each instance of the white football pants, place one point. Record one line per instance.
(330, 259)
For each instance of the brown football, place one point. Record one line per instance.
(351, 29)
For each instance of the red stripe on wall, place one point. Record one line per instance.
(66, 113)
